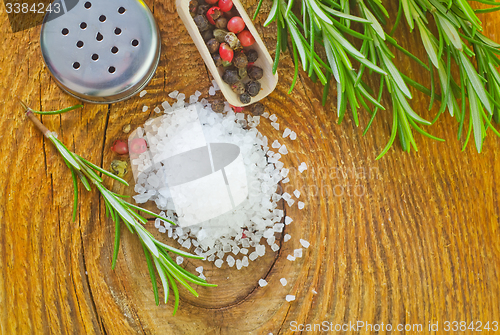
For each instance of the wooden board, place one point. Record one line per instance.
(409, 239)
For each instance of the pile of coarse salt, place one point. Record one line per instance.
(254, 226)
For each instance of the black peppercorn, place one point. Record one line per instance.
(193, 4)
(233, 41)
(240, 60)
(245, 98)
(230, 76)
(252, 55)
(212, 45)
(231, 13)
(207, 35)
(217, 59)
(221, 23)
(242, 73)
(202, 9)
(217, 106)
(201, 22)
(219, 35)
(238, 87)
(255, 73)
(257, 109)
(253, 88)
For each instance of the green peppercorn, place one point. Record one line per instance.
(217, 106)
(242, 73)
(230, 76)
(207, 35)
(252, 55)
(253, 88)
(257, 109)
(219, 34)
(203, 9)
(221, 23)
(212, 45)
(225, 63)
(201, 22)
(233, 41)
(240, 60)
(217, 59)
(255, 73)
(119, 168)
(245, 98)
(238, 87)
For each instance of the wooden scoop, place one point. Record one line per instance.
(268, 81)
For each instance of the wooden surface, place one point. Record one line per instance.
(411, 238)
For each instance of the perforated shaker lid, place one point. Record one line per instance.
(100, 51)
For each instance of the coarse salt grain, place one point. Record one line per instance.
(314, 291)
(173, 94)
(143, 93)
(290, 297)
(276, 144)
(287, 237)
(144, 108)
(288, 220)
(283, 150)
(230, 261)
(218, 263)
(199, 269)
(296, 193)
(290, 258)
(179, 260)
(273, 118)
(283, 281)
(293, 136)
(304, 243)
(286, 132)
(157, 110)
(302, 167)
(165, 105)
(297, 253)
(286, 180)
(262, 282)
(300, 204)
(275, 125)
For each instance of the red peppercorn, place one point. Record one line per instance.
(213, 14)
(236, 25)
(120, 147)
(138, 146)
(236, 109)
(225, 5)
(211, 2)
(225, 52)
(246, 38)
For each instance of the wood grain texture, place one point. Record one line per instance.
(408, 239)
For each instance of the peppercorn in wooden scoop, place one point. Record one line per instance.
(231, 48)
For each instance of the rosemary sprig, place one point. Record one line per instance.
(320, 29)
(376, 49)
(156, 252)
(457, 23)
(325, 22)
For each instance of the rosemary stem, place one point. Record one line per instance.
(45, 131)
